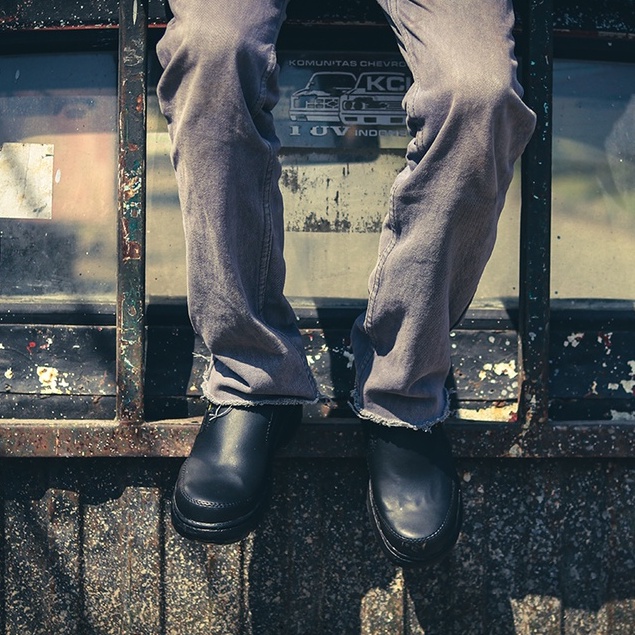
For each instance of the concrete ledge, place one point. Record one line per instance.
(546, 548)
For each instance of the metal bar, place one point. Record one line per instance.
(333, 438)
(535, 231)
(131, 219)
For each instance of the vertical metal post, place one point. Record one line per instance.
(131, 218)
(535, 231)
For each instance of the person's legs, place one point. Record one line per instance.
(469, 125)
(217, 91)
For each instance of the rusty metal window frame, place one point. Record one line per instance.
(532, 435)
(534, 296)
(131, 221)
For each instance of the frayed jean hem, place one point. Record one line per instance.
(259, 400)
(425, 426)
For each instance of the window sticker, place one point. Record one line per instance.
(26, 180)
(342, 100)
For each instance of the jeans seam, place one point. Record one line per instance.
(265, 260)
(392, 219)
(271, 65)
(267, 238)
(372, 298)
(407, 44)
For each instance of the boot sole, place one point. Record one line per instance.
(236, 529)
(405, 560)
(218, 533)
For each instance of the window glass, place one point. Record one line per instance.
(58, 179)
(593, 232)
(343, 138)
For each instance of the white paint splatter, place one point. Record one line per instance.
(628, 386)
(502, 368)
(48, 378)
(613, 386)
(492, 413)
(344, 353)
(8, 373)
(515, 450)
(52, 380)
(574, 339)
(616, 415)
(58, 175)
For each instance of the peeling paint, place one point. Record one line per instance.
(48, 378)
(505, 413)
(616, 415)
(502, 368)
(628, 386)
(515, 450)
(350, 357)
(52, 380)
(573, 340)
(606, 340)
(47, 344)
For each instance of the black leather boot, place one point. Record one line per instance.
(414, 499)
(223, 487)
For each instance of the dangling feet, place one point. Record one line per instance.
(414, 499)
(223, 487)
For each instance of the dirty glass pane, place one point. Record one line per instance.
(58, 177)
(343, 138)
(593, 235)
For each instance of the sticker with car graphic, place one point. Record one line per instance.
(342, 100)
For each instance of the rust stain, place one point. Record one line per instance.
(131, 250)
(131, 186)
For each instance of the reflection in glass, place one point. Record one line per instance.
(336, 183)
(593, 233)
(57, 213)
(336, 180)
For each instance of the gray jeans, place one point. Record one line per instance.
(468, 126)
